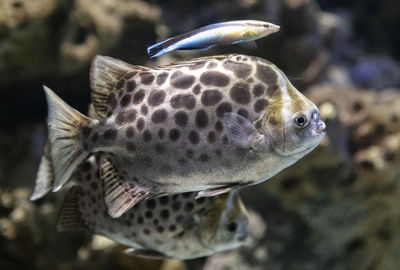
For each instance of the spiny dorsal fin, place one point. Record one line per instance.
(119, 195)
(142, 253)
(70, 218)
(44, 177)
(106, 75)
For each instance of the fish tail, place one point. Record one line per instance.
(45, 176)
(160, 48)
(67, 129)
(70, 216)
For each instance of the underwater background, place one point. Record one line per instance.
(336, 208)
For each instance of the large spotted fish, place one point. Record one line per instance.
(175, 226)
(211, 124)
(232, 32)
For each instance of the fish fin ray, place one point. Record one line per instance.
(217, 191)
(70, 217)
(143, 253)
(105, 73)
(119, 195)
(45, 176)
(65, 124)
(240, 130)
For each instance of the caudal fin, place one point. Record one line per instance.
(66, 146)
(45, 176)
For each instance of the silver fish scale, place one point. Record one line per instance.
(176, 123)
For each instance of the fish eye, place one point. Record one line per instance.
(232, 227)
(300, 120)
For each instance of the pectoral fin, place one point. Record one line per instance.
(119, 195)
(217, 191)
(148, 254)
(241, 131)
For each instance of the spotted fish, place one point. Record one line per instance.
(175, 226)
(231, 32)
(211, 125)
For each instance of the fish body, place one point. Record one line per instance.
(231, 32)
(211, 125)
(175, 226)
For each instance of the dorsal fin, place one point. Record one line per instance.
(70, 217)
(45, 176)
(106, 75)
(119, 195)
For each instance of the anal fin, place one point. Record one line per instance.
(119, 195)
(70, 217)
(148, 254)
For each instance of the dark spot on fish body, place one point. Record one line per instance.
(266, 74)
(273, 91)
(260, 105)
(219, 126)
(189, 206)
(130, 132)
(125, 100)
(140, 220)
(240, 93)
(110, 134)
(130, 85)
(128, 223)
(197, 65)
(211, 65)
(85, 146)
(243, 112)
(146, 231)
(144, 109)
(126, 116)
(172, 228)
(151, 203)
(174, 134)
(189, 153)
(148, 214)
(119, 84)
(176, 206)
(196, 90)
(160, 149)
(164, 214)
(140, 124)
(112, 101)
(182, 161)
(201, 118)
(156, 98)
(241, 70)
(161, 78)
(138, 96)
(159, 116)
(160, 229)
(214, 78)
(155, 222)
(225, 140)
(86, 131)
(147, 135)
(164, 200)
(211, 97)
(187, 101)
(204, 158)
(194, 137)
(218, 153)
(146, 78)
(181, 80)
(86, 166)
(131, 147)
(258, 90)
(250, 80)
(179, 218)
(211, 137)
(223, 108)
(181, 118)
(161, 133)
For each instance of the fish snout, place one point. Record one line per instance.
(320, 127)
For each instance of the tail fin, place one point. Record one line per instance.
(66, 147)
(70, 216)
(161, 48)
(44, 177)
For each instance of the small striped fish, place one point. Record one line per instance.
(203, 38)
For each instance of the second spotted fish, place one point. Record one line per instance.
(231, 32)
(210, 125)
